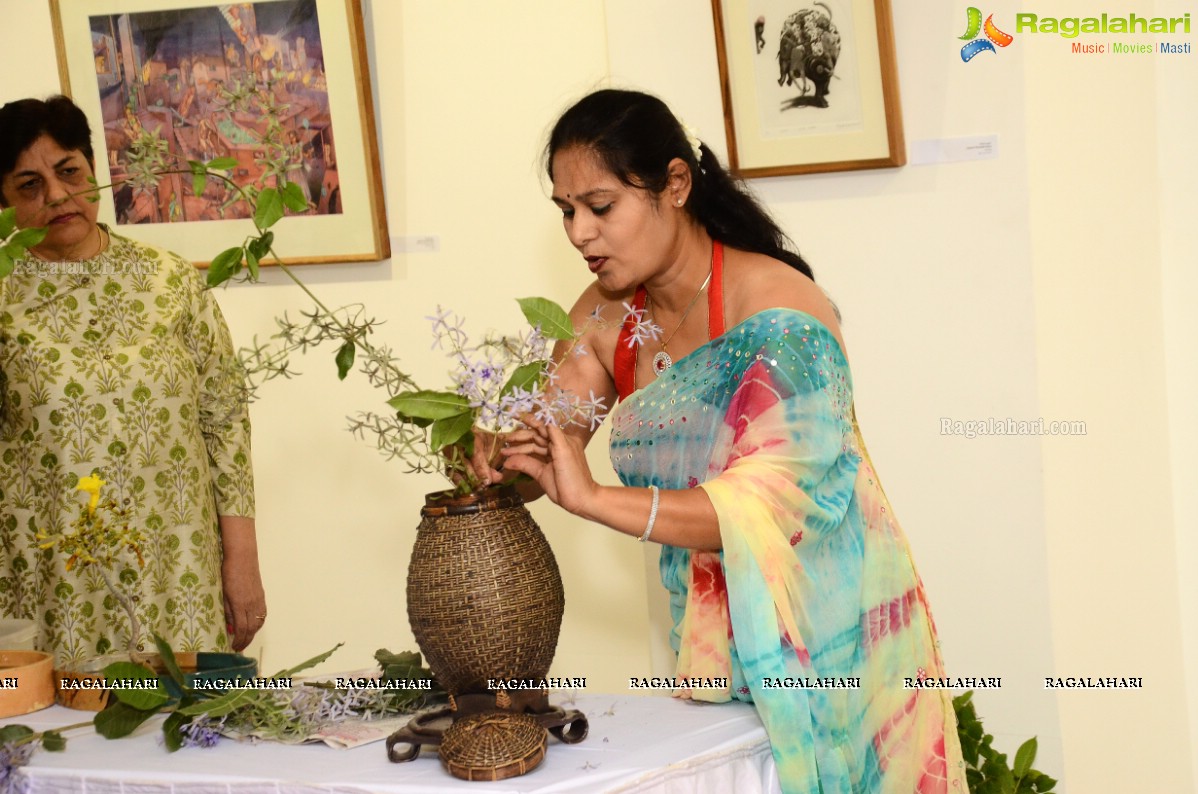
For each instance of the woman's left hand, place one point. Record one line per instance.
(557, 461)
(241, 581)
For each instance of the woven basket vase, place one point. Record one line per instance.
(485, 597)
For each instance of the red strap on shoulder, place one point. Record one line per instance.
(715, 295)
(625, 363)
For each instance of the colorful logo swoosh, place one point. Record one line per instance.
(973, 26)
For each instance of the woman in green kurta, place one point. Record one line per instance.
(119, 365)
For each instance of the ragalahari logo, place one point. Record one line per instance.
(976, 45)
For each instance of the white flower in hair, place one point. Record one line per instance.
(692, 137)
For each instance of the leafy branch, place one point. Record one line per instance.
(199, 716)
(986, 769)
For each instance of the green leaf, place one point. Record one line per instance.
(197, 183)
(128, 670)
(6, 264)
(404, 666)
(152, 699)
(525, 376)
(1024, 757)
(315, 660)
(989, 785)
(270, 208)
(553, 319)
(120, 719)
(224, 266)
(12, 733)
(404, 658)
(450, 430)
(27, 238)
(172, 736)
(168, 661)
(293, 197)
(227, 703)
(995, 769)
(8, 222)
(429, 404)
(345, 358)
(222, 164)
(1046, 783)
(53, 741)
(251, 263)
(969, 748)
(261, 245)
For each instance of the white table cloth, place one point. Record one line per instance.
(636, 744)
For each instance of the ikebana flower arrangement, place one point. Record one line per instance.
(492, 383)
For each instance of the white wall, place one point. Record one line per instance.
(1054, 281)
(1098, 262)
(1177, 157)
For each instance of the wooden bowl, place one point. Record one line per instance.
(26, 682)
(81, 686)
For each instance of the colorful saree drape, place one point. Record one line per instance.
(813, 609)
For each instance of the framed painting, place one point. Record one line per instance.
(808, 85)
(276, 90)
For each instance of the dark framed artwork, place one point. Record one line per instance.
(281, 88)
(808, 85)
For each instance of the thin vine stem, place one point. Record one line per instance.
(126, 602)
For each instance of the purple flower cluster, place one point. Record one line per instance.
(643, 329)
(13, 756)
(202, 731)
(311, 708)
(484, 370)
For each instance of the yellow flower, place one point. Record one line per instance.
(91, 485)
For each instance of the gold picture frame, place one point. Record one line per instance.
(199, 77)
(808, 86)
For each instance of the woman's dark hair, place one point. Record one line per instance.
(636, 136)
(24, 121)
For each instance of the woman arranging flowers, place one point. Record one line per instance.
(738, 451)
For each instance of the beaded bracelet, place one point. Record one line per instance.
(652, 514)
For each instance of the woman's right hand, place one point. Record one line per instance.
(556, 461)
(483, 465)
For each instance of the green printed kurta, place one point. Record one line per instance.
(119, 366)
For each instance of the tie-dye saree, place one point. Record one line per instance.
(814, 590)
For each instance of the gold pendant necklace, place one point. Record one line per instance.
(662, 360)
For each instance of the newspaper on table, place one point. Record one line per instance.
(354, 733)
(343, 734)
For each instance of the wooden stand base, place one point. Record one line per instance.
(569, 726)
